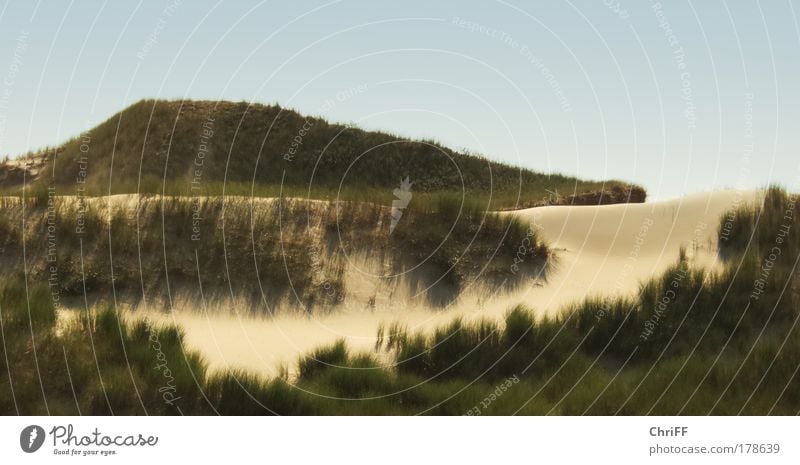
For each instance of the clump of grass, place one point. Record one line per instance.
(755, 227)
(462, 241)
(25, 308)
(323, 358)
(240, 393)
(96, 363)
(360, 376)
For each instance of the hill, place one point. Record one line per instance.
(194, 147)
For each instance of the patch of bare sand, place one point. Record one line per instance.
(609, 250)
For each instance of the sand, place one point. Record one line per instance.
(601, 251)
(609, 250)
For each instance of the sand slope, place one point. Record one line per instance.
(610, 249)
(601, 250)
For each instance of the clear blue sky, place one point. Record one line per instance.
(680, 97)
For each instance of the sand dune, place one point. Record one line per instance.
(610, 249)
(601, 251)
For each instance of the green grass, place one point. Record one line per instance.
(454, 381)
(751, 228)
(94, 364)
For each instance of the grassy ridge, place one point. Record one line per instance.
(207, 148)
(261, 249)
(692, 342)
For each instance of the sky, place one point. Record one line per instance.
(677, 96)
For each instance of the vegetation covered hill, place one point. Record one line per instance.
(193, 147)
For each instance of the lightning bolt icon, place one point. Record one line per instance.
(34, 434)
